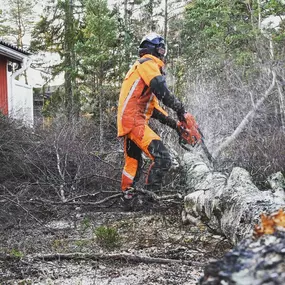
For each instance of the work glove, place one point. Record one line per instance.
(181, 114)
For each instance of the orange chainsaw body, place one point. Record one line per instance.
(189, 130)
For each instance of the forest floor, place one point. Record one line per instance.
(108, 247)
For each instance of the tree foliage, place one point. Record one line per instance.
(219, 30)
(98, 45)
(3, 26)
(57, 32)
(18, 19)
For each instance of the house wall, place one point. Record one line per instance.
(21, 104)
(3, 86)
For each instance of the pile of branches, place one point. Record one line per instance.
(45, 169)
(49, 173)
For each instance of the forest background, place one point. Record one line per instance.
(225, 62)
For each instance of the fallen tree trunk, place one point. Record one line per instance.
(230, 204)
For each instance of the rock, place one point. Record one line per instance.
(251, 262)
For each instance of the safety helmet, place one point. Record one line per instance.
(153, 44)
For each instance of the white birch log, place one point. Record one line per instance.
(230, 204)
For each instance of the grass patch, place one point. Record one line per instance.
(107, 237)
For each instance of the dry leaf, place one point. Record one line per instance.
(270, 223)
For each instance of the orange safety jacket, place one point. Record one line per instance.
(138, 97)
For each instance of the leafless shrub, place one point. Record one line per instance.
(75, 163)
(13, 139)
(43, 170)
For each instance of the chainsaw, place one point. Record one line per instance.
(190, 134)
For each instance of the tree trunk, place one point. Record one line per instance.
(101, 122)
(165, 19)
(70, 102)
(229, 204)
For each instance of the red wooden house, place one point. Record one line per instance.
(16, 97)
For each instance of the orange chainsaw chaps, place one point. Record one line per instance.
(189, 130)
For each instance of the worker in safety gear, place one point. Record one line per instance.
(142, 88)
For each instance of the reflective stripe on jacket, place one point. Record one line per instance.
(137, 102)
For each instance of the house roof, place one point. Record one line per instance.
(14, 47)
(12, 52)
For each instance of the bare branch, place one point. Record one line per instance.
(247, 119)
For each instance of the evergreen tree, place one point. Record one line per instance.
(18, 23)
(57, 32)
(150, 15)
(173, 25)
(19, 16)
(98, 56)
(3, 25)
(220, 30)
(216, 30)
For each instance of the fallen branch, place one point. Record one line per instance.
(72, 202)
(157, 197)
(114, 256)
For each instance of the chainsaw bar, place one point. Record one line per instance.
(203, 145)
(206, 151)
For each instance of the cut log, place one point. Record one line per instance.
(230, 204)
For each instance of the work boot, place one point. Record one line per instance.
(131, 200)
(129, 193)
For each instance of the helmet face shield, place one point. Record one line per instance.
(162, 50)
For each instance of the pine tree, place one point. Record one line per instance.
(57, 32)
(18, 23)
(3, 25)
(98, 56)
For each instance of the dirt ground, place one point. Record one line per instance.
(162, 250)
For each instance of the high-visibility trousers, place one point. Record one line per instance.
(144, 139)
